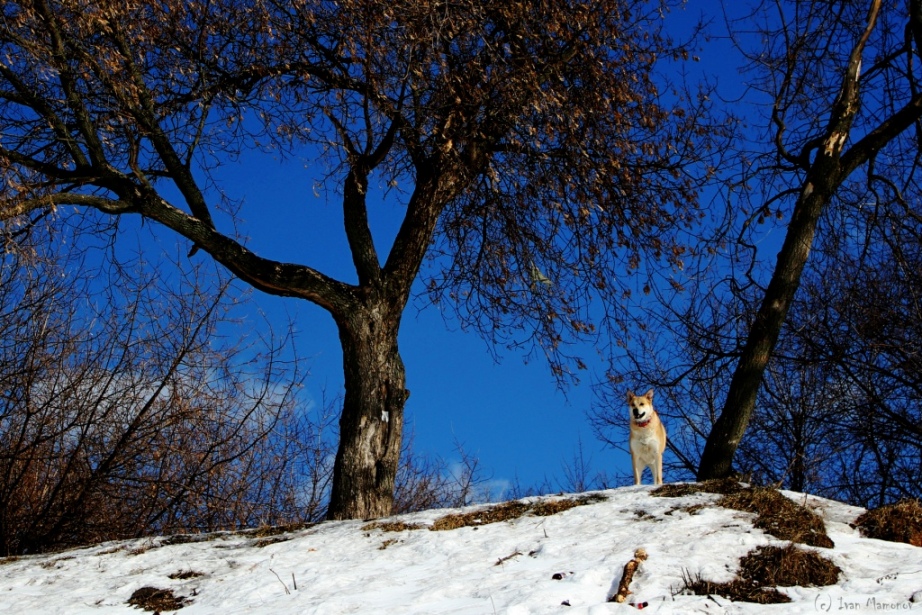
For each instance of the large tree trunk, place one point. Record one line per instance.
(371, 424)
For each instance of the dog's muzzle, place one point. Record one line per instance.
(639, 415)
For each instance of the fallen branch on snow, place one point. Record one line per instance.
(628, 574)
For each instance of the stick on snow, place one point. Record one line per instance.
(628, 574)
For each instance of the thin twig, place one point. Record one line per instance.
(280, 581)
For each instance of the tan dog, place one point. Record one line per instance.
(648, 437)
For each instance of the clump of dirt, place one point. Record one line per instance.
(900, 522)
(153, 599)
(765, 567)
(186, 574)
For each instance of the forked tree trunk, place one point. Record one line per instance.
(371, 424)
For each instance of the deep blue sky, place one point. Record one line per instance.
(508, 414)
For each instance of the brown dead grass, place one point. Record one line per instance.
(266, 533)
(546, 508)
(153, 599)
(900, 522)
(274, 530)
(272, 540)
(779, 516)
(511, 510)
(765, 567)
(490, 514)
(788, 566)
(483, 516)
(391, 526)
(183, 539)
(723, 486)
(736, 590)
(387, 543)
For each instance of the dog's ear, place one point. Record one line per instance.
(630, 396)
(649, 395)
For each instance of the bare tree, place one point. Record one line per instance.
(842, 82)
(529, 143)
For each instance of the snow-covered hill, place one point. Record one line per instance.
(568, 562)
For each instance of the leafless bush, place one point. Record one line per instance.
(426, 481)
(130, 404)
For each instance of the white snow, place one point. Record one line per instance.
(505, 567)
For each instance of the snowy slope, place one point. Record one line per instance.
(505, 567)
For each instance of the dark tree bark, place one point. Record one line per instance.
(371, 425)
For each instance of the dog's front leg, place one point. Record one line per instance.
(658, 470)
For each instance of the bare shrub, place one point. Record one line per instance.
(130, 403)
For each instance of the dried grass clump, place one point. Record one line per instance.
(736, 590)
(184, 539)
(900, 522)
(392, 526)
(274, 530)
(271, 540)
(788, 566)
(765, 567)
(723, 486)
(779, 516)
(483, 516)
(512, 510)
(153, 599)
(546, 508)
